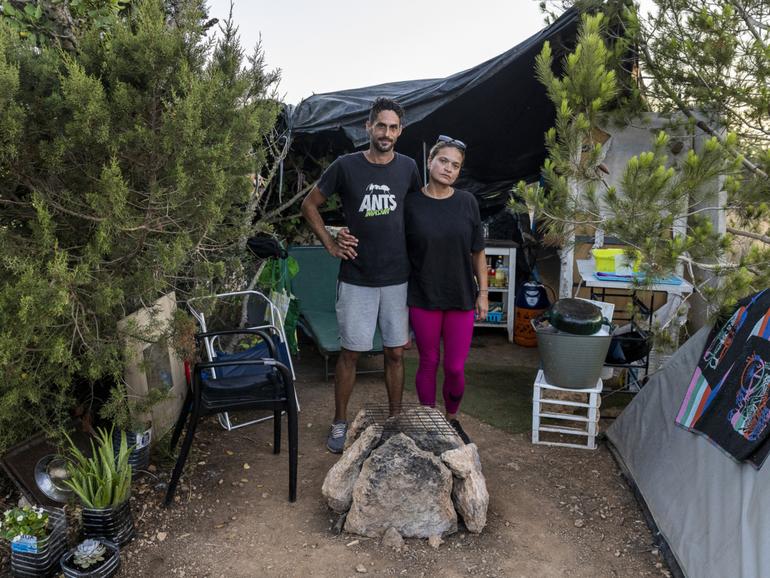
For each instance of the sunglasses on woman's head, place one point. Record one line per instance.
(451, 141)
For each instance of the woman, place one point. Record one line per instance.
(446, 250)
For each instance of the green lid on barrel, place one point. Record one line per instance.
(575, 316)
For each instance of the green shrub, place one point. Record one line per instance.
(126, 172)
(126, 411)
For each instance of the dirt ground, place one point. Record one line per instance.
(552, 512)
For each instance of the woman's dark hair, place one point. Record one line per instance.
(440, 145)
(383, 103)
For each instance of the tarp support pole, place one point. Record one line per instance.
(424, 163)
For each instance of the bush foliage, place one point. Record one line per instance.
(126, 167)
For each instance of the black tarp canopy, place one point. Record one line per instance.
(498, 108)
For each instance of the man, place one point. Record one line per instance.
(371, 289)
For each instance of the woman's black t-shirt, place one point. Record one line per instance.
(441, 235)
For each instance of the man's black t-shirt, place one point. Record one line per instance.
(441, 234)
(373, 201)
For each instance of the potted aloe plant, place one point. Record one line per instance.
(102, 482)
(38, 539)
(92, 558)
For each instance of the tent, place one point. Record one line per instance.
(711, 510)
(498, 108)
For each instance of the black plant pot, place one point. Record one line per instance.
(140, 456)
(44, 562)
(115, 524)
(107, 568)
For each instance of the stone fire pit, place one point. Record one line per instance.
(411, 473)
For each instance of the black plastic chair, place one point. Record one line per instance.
(260, 313)
(234, 384)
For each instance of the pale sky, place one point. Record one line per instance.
(324, 46)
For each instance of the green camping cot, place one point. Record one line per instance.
(315, 285)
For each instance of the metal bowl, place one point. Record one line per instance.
(50, 472)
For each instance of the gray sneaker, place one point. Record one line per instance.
(336, 440)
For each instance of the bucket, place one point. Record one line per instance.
(523, 333)
(614, 261)
(571, 361)
(531, 301)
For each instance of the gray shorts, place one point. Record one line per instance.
(360, 309)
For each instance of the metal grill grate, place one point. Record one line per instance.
(413, 419)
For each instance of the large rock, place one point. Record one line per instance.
(469, 491)
(403, 487)
(462, 461)
(338, 484)
(362, 421)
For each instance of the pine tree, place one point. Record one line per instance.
(584, 90)
(705, 63)
(710, 60)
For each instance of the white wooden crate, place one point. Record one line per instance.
(585, 418)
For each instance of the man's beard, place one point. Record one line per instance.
(383, 147)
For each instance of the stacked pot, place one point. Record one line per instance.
(45, 561)
(140, 442)
(116, 524)
(573, 339)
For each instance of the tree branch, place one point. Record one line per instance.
(267, 218)
(756, 236)
(751, 23)
(252, 284)
(682, 106)
(707, 266)
(277, 160)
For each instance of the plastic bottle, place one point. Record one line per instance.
(501, 276)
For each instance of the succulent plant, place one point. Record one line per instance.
(89, 553)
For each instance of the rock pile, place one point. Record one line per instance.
(395, 477)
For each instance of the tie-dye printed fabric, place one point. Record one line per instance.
(738, 417)
(752, 317)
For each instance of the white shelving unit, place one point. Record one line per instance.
(578, 419)
(504, 294)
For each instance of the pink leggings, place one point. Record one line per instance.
(456, 329)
